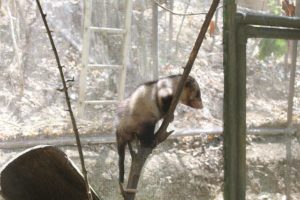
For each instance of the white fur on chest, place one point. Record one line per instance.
(143, 105)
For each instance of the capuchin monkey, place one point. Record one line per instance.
(139, 113)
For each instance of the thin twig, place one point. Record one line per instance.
(175, 13)
(180, 27)
(12, 124)
(162, 134)
(65, 90)
(13, 35)
(18, 53)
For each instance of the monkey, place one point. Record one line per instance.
(138, 114)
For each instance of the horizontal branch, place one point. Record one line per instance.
(175, 13)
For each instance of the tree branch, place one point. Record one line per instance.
(162, 134)
(140, 157)
(175, 13)
(65, 90)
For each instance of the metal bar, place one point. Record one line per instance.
(58, 141)
(219, 131)
(125, 53)
(230, 101)
(272, 32)
(94, 140)
(268, 20)
(292, 84)
(290, 121)
(85, 55)
(105, 66)
(241, 112)
(290, 113)
(101, 102)
(271, 131)
(108, 30)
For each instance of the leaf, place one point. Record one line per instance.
(288, 8)
(212, 27)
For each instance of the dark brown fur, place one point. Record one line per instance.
(139, 113)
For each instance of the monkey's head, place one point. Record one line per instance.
(191, 95)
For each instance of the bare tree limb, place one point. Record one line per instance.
(139, 159)
(161, 134)
(175, 13)
(65, 90)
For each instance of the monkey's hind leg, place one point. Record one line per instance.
(132, 152)
(146, 137)
(121, 152)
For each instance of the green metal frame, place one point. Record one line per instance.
(238, 27)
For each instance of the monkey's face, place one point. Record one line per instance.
(195, 100)
(191, 95)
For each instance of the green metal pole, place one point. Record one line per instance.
(272, 32)
(241, 111)
(230, 101)
(268, 20)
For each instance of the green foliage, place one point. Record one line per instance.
(276, 47)
(267, 47)
(274, 7)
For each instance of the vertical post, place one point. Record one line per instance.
(234, 107)
(290, 112)
(87, 4)
(288, 142)
(241, 111)
(292, 83)
(155, 40)
(125, 52)
(293, 73)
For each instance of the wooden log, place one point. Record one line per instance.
(43, 172)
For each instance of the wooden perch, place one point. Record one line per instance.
(65, 90)
(43, 172)
(139, 158)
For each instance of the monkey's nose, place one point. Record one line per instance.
(197, 104)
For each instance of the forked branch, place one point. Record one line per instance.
(162, 134)
(140, 157)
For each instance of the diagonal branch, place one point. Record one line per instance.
(162, 134)
(65, 90)
(143, 153)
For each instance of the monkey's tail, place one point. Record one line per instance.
(121, 151)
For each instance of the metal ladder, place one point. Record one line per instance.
(85, 55)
